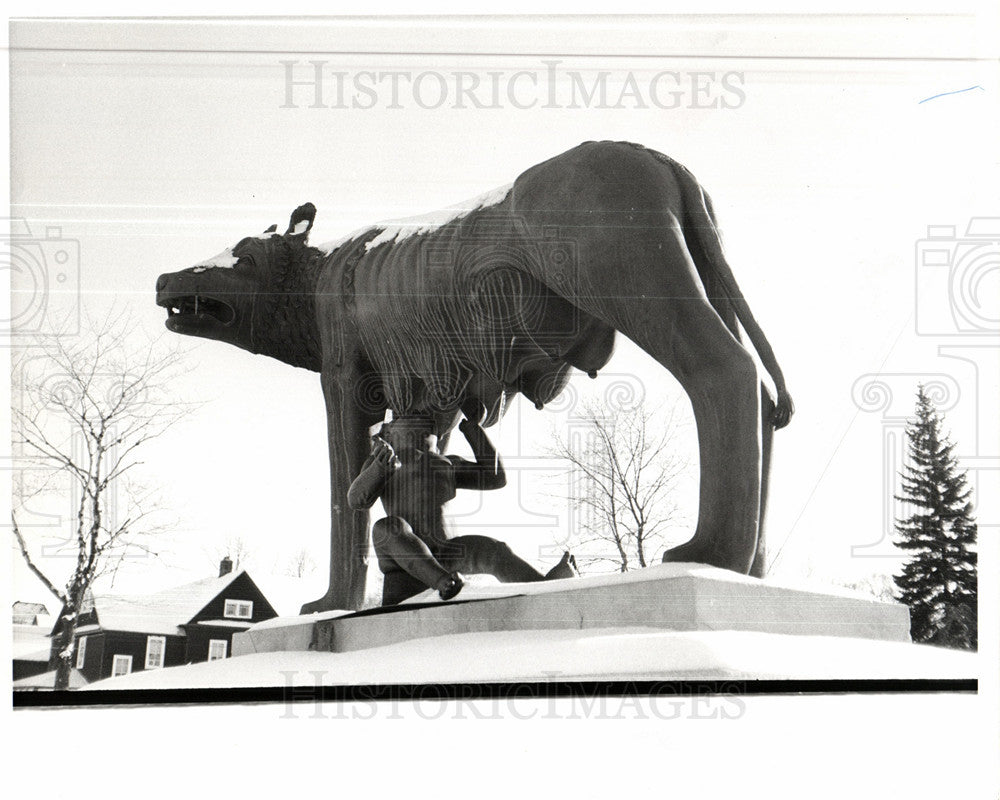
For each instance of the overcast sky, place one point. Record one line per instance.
(154, 149)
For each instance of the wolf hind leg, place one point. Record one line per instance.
(648, 288)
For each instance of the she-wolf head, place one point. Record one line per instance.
(253, 295)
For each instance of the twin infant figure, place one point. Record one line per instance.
(414, 481)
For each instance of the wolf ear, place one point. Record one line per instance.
(302, 220)
(272, 229)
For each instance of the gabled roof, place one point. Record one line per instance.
(27, 613)
(24, 607)
(30, 643)
(163, 612)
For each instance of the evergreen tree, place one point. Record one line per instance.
(938, 582)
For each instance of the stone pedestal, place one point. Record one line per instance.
(673, 597)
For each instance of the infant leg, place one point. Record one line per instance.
(407, 562)
(485, 556)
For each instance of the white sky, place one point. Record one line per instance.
(154, 149)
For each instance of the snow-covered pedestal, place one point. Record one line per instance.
(665, 623)
(671, 597)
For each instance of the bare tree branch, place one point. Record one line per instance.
(626, 474)
(60, 595)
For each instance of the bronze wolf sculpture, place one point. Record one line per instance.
(506, 296)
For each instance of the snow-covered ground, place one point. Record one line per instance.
(624, 652)
(569, 655)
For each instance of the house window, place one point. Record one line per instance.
(217, 649)
(238, 609)
(155, 647)
(121, 665)
(81, 651)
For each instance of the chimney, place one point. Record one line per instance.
(225, 566)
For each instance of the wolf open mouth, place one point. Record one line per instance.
(200, 307)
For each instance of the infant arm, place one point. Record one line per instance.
(487, 471)
(368, 486)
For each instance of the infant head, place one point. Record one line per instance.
(407, 434)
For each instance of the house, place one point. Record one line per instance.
(120, 634)
(30, 645)
(29, 613)
(29, 651)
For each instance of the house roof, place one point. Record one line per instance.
(27, 613)
(162, 612)
(226, 623)
(30, 643)
(25, 607)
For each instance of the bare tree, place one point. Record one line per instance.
(300, 563)
(235, 548)
(83, 408)
(623, 476)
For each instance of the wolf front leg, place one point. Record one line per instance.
(347, 432)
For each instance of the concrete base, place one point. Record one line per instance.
(676, 597)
